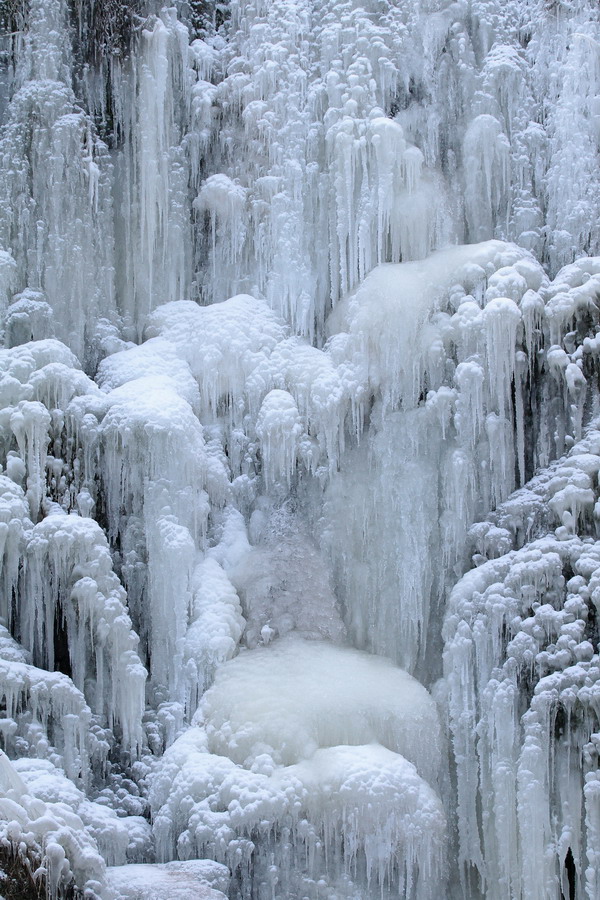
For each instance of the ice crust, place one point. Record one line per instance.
(301, 336)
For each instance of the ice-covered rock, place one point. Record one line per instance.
(50, 834)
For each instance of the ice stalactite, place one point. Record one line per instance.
(574, 119)
(152, 170)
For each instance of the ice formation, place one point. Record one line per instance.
(320, 756)
(300, 449)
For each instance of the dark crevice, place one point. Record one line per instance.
(571, 875)
(62, 659)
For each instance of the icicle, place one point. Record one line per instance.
(29, 423)
(278, 427)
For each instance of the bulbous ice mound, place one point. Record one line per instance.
(308, 695)
(320, 741)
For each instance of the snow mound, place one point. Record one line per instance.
(190, 880)
(155, 357)
(309, 695)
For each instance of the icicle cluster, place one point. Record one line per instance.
(522, 672)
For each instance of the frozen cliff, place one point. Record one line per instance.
(300, 449)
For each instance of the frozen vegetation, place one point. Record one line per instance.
(300, 450)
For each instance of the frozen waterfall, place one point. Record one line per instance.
(300, 450)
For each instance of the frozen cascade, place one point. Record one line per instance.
(300, 449)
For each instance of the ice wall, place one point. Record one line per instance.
(56, 183)
(298, 431)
